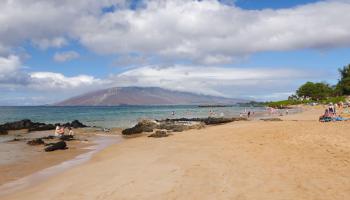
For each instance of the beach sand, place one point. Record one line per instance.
(298, 158)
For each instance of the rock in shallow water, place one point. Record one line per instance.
(56, 146)
(35, 126)
(142, 126)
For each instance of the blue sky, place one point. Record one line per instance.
(253, 49)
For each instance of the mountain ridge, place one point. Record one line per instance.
(117, 96)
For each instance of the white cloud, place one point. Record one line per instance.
(45, 23)
(12, 75)
(10, 71)
(210, 33)
(9, 64)
(55, 81)
(206, 32)
(65, 56)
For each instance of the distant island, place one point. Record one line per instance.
(119, 96)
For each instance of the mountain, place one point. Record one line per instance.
(144, 96)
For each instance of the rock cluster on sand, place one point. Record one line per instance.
(52, 146)
(272, 119)
(176, 125)
(35, 126)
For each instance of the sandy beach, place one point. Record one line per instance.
(297, 158)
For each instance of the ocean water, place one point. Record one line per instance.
(113, 116)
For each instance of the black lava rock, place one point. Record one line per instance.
(61, 145)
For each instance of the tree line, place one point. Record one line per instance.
(322, 90)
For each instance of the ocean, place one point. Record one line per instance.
(114, 116)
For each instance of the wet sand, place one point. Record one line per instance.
(298, 158)
(33, 159)
(19, 159)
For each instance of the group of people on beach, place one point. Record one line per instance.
(331, 113)
(60, 131)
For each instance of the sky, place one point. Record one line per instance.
(262, 50)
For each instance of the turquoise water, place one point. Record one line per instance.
(113, 116)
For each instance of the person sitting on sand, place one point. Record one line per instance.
(61, 131)
(57, 131)
(71, 132)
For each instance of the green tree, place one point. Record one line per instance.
(316, 91)
(343, 86)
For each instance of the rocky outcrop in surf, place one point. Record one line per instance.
(35, 126)
(177, 125)
(142, 126)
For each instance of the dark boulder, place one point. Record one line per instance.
(143, 126)
(77, 124)
(56, 146)
(159, 134)
(73, 124)
(37, 141)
